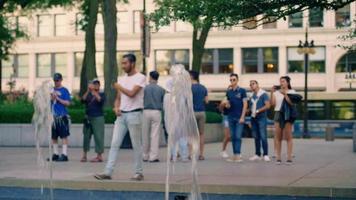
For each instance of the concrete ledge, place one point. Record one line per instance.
(184, 188)
(22, 135)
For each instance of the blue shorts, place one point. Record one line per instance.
(225, 121)
(60, 127)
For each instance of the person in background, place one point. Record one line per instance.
(94, 122)
(278, 95)
(152, 118)
(259, 104)
(60, 99)
(238, 105)
(200, 98)
(224, 109)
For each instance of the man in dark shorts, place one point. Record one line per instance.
(60, 99)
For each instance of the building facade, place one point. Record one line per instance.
(265, 53)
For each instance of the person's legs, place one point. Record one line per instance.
(256, 135)
(239, 131)
(233, 127)
(262, 126)
(200, 116)
(289, 136)
(226, 134)
(98, 124)
(156, 129)
(134, 121)
(119, 132)
(87, 132)
(146, 131)
(279, 136)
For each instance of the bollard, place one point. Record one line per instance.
(354, 136)
(329, 133)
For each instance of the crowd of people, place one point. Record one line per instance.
(139, 108)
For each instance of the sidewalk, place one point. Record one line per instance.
(320, 169)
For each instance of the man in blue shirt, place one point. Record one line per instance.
(60, 99)
(238, 105)
(259, 104)
(200, 98)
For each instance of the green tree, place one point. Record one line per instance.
(88, 22)
(205, 14)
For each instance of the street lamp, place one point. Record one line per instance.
(306, 48)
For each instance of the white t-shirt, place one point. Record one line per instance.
(279, 98)
(129, 82)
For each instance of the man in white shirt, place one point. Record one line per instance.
(128, 109)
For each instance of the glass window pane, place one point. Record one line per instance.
(317, 66)
(60, 63)
(207, 62)
(78, 59)
(316, 61)
(316, 110)
(343, 110)
(347, 63)
(7, 67)
(99, 57)
(122, 22)
(342, 16)
(225, 61)
(249, 60)
(295, 66)
(60, 25)
(269, 23)
(44, 23)
(296, 20)
(270, 63)
(316, 17)
(22, 66)
(137, 21)
(44, 65)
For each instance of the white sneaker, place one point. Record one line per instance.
(224, 154)
(235, 159)
(266, 158)
(254, 158)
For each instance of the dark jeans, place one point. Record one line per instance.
(259, 131)
(236, 130)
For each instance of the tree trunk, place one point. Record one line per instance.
(88, 71)
(199, 44)
(110, 37)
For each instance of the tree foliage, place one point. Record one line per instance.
(205, 14)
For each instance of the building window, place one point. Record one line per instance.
(269, 23)
(347, 63)
(342, 16)
(138, 55)
(137, 21)
(60, 28)
(44, 25)
(260, 60)
(8, 67)
(296, 20)
(217, 61)
(249, 23)
(122, 22)
(342, 110)
(316, 17)
(22, 67)
(50, 63)
(164, 59)
(296, 61)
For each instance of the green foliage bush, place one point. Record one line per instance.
(22, 111)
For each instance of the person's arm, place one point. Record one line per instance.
(286, 97)
(206, 99)
(85, 95)
(117, 104)
(129, 93)
(244, 110)
(266, 106)
(273, 98)
(66, 99)
(97, 96)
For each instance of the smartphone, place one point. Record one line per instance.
(277, 87)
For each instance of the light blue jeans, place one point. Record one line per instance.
(236, 130)
(131, 122)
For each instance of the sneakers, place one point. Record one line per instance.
(224, 154)
(154, 161)
(255, 158)
(63, 158)
(266, 158)
(137, 177)
(234, 159)
(289, 162)
(278, 162)
(102, 177)
(55, 157)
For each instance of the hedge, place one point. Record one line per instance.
(22, 113)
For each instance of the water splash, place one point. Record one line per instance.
(181, 123)
(42, 120)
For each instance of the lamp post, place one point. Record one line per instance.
(306, 48)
